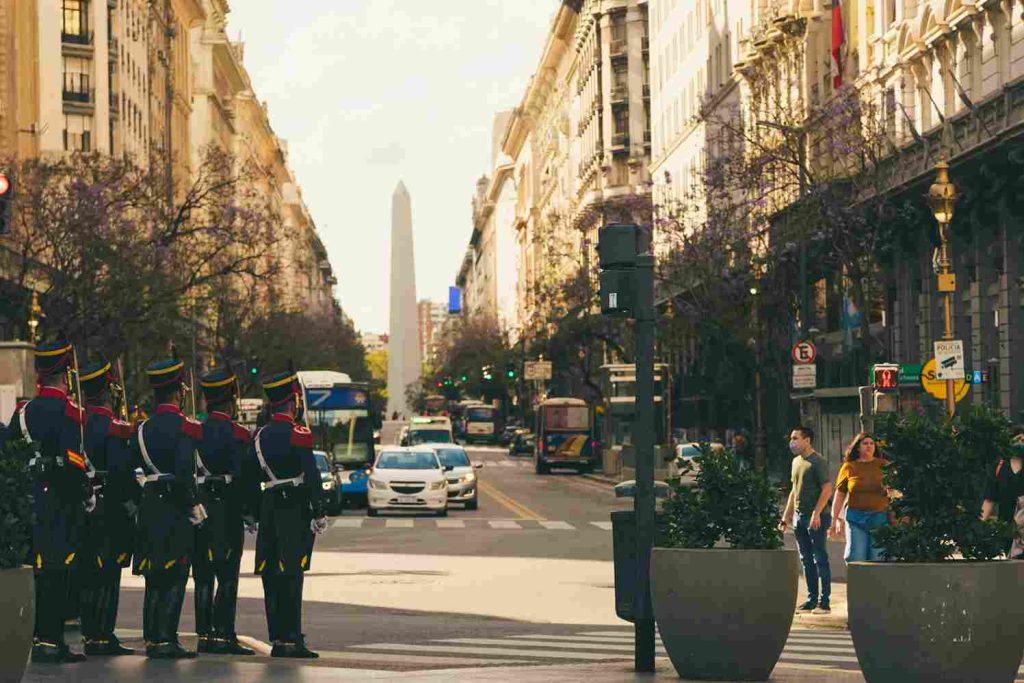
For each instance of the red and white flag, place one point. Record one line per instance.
(838, 40)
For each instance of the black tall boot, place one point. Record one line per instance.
(291, 642)
(89, 600)
(51, 592)
(101, 639)
(168, 612)
(203, 598)
(225, 640)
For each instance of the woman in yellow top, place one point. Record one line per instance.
(859, 487)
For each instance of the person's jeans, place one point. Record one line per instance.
(859, 545)
(814, 555)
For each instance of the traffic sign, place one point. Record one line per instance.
(805, 376)
(910, 374)
(937, 388)
(886, 376)
(537, 370)
(949, 359)
(804, 352)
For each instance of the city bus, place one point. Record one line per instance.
(565, 436)
(483, 424)
(339, 413)
(435, 404)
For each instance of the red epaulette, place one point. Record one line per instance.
(19, 405)
(301, 437)
(191, 428)
(121, 430)
(76, 413)
(240, 433)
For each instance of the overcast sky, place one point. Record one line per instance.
(370, 92)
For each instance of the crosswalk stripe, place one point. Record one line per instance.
(348, 522)
(384, 658)
(606, 526)
(451, 524)
(547, 643)
(506, 463)
(828, 658)
(399, 523)
(488, 651)
(557, 525)
(818, 648)
(504, 524)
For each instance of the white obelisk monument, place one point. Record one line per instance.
(403, 340)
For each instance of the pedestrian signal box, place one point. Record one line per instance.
(886, 377)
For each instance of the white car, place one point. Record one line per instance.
(407, 479)
(684, 466)
(462, 479)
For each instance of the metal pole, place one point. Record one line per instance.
(760, 438)
(643, 503)
(947, 312)
(805, 304)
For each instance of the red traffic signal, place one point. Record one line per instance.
(886, 377)
(5, 184)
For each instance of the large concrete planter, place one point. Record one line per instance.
(949, 621)
(17, 620)
(724, 615)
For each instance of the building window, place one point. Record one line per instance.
(77, 84)
(76, 17)
(77, 133)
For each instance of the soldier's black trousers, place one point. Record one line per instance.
(51, 604)
(282, 596)
(161, 609)
(101, 589)
(216, 606)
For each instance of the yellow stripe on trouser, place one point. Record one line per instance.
(305, 561)
(39, 561)
(69, 559)
(262, 565)
(168, 565)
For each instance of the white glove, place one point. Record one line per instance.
(198, 515)
(251, 526)
(319, 525)
(131, 508)
(90, 504)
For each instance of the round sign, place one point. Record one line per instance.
(937, 387)
(804, 352)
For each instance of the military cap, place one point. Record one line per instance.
(218, 385)
(165, 372)
(280, 387)
(94, 377)
(52, 357)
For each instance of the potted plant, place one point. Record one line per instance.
(17, 588)
(939, 609)
(722, 587)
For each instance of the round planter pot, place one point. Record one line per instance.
(17, 620)
(724, 615)
(948, 621)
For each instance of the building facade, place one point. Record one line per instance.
(431, 318)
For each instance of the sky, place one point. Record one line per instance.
(370, 92)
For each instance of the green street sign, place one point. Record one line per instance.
(910, 375)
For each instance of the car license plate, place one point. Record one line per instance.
(407, 499)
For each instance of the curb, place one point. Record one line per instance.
(832, 622)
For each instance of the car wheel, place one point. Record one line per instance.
(371, 512)
(472, 504)
(442, 512)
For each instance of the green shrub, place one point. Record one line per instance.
(15, 504)
(728, 503)
(939, 469)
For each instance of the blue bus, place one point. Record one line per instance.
(339, 413)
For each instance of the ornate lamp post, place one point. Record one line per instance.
(942, 196)
(35, 312)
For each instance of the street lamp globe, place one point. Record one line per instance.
(942, 195)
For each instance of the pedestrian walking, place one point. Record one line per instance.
(861, 499)
(291, 513)
(61, 493)
(164, 447)
(220, 539)
(1005, 483)
(110, 527)
(808, 499)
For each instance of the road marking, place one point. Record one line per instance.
(489, 651)
(796, 657)
(553, 643)
(383, 658)
(606, 526)
(348, 522)
(503, 524)
(399, 523)
(451, 524)
(508, 503)
(557, 525)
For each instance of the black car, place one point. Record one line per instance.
(508, 434)
(522, 444)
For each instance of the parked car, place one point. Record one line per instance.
(462, 474)
(508, 434)
(523, 443)
(332, 492)
(684, 467)
(408, 479)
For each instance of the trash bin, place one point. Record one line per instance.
(624, 559)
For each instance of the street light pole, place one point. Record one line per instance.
(942, 196)
(760, 438)
(643, 503)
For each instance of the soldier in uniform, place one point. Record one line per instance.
(164, 447)
(220, 539)
(291, 512)
(61, 494)
(110, 528)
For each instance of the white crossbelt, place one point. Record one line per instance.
(90, 471)
(154, 474)
(274, 481)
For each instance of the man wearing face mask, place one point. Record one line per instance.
(1005, 483)
(809, 497)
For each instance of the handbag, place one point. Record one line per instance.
(1017, 547)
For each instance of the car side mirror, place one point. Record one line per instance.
(478, 466)
(449, 468)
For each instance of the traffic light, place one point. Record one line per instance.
(886, 376)
(510, 370)
(6, 200)
(254, 367)
(465, 378)
(488, 372)
(618, 246)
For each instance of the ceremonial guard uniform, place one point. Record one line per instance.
(110, 527)
(291, 512)
(61, 494)
(164, 447)
(220, 539)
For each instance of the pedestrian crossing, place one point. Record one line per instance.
(805, 648)
(349, 523)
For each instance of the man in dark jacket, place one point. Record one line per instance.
(110, 527)
(61, 494)
(291, 512)
(164, 447)
(220, 539)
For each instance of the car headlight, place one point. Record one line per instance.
(439, 485)
(328, 485)
(377, 484)
(468, 478)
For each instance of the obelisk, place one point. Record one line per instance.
(403, 339)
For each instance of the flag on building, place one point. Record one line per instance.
(838, 40)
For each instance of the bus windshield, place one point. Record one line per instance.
(566, 418)
(481, 414)
(345, 435)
